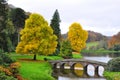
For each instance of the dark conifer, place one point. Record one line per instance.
(55, 24)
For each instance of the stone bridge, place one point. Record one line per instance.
(72, 62)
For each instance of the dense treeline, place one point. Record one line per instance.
(12, 20)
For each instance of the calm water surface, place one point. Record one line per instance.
(90, 70)
(101, 59)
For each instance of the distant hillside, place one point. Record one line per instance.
(92, 36)
(95, 36)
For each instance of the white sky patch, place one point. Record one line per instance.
(64, 27)
(97, 15)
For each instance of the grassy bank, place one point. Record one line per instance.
(112, 75)
(36, 70)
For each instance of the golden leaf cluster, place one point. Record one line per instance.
(37, 37)
(77, 36)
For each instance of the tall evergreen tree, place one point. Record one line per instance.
(56, 28)
(3, 23)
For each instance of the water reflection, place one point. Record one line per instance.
(91, 70)
(78, 70)
(101, 70)
(101, 59)
(77, 73)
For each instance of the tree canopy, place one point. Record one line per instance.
(37, 37)
(77, 37)
(18, 17)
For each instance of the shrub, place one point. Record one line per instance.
(66, 49)
(5, 59)
(3, 76)
(12, 70)
(114, 65)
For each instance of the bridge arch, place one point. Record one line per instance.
(77, 69)
(55, 65)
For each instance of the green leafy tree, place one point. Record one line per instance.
(37, 37)
(18, 18)
(77, 37)
(66, 49)
(55, 24)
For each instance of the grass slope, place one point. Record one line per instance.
(35, 70)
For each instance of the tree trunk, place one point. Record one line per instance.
(34, 57)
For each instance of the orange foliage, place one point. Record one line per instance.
(114, 40)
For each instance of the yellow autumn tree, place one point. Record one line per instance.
(77, 37)
(37, 37)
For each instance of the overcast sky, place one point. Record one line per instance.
(97, 15)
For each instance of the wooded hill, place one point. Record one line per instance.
(92, 36)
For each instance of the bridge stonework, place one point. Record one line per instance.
(71, 62)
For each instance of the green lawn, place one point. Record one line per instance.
(36, 71)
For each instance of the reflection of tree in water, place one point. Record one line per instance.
(66, 69)
(78, 70)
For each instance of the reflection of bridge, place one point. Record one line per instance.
(61, 64)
